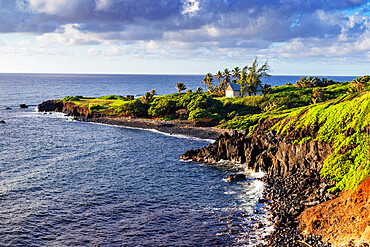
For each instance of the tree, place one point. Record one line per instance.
(236, 73)
(204, 81)
(358, 84)
(266, 89)
(255, 74)
(180, 87)
(199, 90)
(226, 76)
(209, 81)
(250, 78)
(243, 80)
(219, 76)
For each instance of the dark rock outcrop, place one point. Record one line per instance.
(236, 178)
(51, 105)
(265, 151)
(2, 121)
(23, 106)
(66, 107)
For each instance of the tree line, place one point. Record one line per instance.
(249, 79)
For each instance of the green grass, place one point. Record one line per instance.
(349, 163)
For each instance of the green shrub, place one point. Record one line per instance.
(134, 108)
(199, 115)
(113, 97)
(162, 107)
(72, 98)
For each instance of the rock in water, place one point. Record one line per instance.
(23, 106)
(2, 121)
(236, 178)
(8, 108)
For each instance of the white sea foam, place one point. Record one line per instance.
(247, 193)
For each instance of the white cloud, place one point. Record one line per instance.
(69, 36)
(23, 43)
(54, 7)
(103, 5)
(190, 7)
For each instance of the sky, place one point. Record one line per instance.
(296, 37)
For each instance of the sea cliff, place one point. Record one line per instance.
(309, 154)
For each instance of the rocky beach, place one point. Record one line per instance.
(294, 188)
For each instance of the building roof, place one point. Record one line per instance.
(234, 86)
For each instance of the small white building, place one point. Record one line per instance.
(233, 90)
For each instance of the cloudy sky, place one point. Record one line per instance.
(298, 37)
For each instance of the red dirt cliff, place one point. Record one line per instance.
(343, 221)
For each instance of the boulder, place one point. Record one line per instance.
(8, 108)
(2, 121)
(236, 178)
(23, 106)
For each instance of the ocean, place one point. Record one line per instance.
(70, 183)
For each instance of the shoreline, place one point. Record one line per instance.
(168, 126)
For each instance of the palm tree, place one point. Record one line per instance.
(236, 73)
(209, 81)
(180, 87)
(226, 76)
(219, 76)
(204, 81)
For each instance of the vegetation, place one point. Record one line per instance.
(341, 110)
(180, 87)
(249, 79)
(343, 122)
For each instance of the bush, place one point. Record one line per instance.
(134, 108)
(206, 107)
(162, 107)
(113, 97)
(72, 98)
(199, 115)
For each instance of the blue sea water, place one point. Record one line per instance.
(68, 183)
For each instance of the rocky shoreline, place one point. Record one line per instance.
(82, 113)
(288, 197)
(293, 183)
(169, 127)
